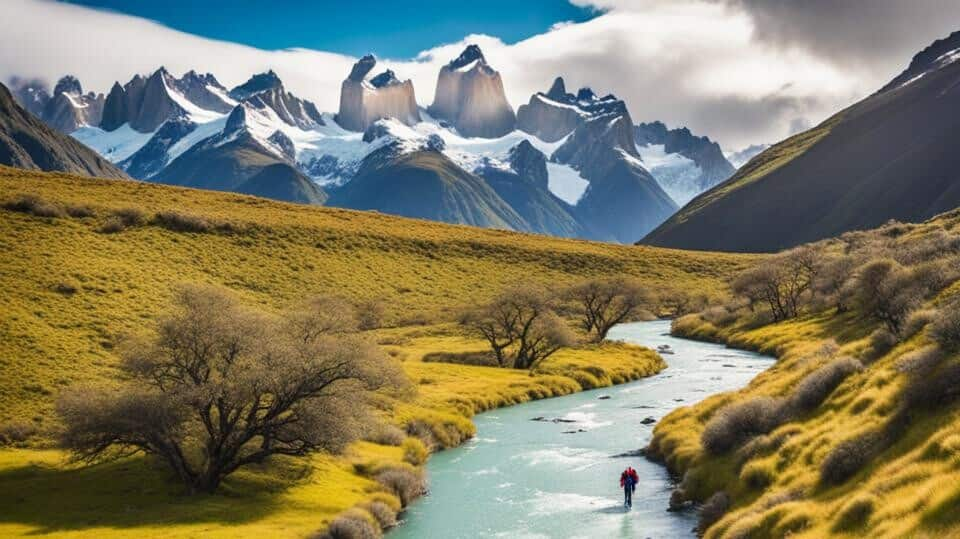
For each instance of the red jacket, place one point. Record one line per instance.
(632, 474)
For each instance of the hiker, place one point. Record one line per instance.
(628, 482)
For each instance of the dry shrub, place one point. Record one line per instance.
(819, 384)
(414, 451)
(181, 222)
(932, 389)
(719, 315)
(34, 205)
(79, 211)
(16, 432)
(712, 511)
(482, 358)
(370, 314)
(882, 340)
(121, 220)
(922, 360)
(735, 424)
(849, 456)
(945, 328)
(383, 513)
(855, 513)
(351, 525)
(917, 321)
(386, 434)
(405, 483)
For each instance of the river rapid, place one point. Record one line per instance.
(520, 478)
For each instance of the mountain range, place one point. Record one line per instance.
(890, 156)
(567, 164)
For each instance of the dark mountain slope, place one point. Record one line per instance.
(525, 188)
(891, 156)
(26, 142)
(425, 184)
(241, 164)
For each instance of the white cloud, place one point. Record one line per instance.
(685, 62)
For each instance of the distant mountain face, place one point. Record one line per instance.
(66, 109)
(572, 169)
(684, 164)
(365, 99)
(26, 142)
(891, 156)
(470, 96)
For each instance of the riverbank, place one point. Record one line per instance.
(41, 492)
(902, 486)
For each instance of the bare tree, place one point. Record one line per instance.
(780, 282)
(546, 335)
(520, 326)
(888, 292)
(220, 387)
(604, 303)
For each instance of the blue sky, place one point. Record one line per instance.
(394, 29)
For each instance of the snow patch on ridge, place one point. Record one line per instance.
(115, 145)
(676, 174)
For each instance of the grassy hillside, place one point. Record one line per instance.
(76, 280)
(890, 156)
(878, 454)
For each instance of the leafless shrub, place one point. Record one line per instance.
(386, 434)
(483, 359)
(712, 511)
(888, 292)
(351, 525)
(850, 456)
(719, 315)
(932, 389)
(79, 211)
(370, 314)
(34, 205)
(781, 283)
(945, 328)
(383, 513)
(16, 432)
(604, 303)
(122, 219)
(181, 222)
(917, 321)
(819, 384)
(882, 340)
(402, 482)
(921, 361)
(736, 423)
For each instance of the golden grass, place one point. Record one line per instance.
(69, 291)
(909, 490)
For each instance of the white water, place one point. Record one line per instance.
(529, 479)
